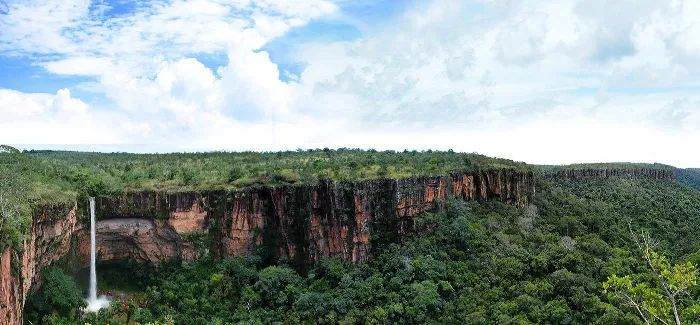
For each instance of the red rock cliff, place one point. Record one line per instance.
(298, 222)
(306, 223)
(576, 173)
(145, 227)
(48, 240)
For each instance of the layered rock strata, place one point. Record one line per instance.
(48, 240)
(651, 172)
(303, 223)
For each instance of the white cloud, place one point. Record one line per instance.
(252, 87)
(55, 119)
(141, 60)
(502, 77)
(38, 26)
(555, 81)
(79, 66)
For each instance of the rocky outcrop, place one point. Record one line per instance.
(137, 240)
(11, 295)
(593, 172)
(185, 211)
(48, 240)
(146, 227)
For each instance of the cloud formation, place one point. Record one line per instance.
(545, 82)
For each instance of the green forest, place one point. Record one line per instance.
(618, 250)
(118, 172)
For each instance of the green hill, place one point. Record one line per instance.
(689, 176)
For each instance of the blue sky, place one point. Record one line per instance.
(22, 71)
(504, 78)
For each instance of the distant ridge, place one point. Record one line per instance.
(688, 176)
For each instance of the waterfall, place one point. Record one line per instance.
(93, 267)
(94, 303)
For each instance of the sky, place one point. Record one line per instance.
(547, 82)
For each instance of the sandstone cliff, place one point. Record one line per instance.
(576, 173)
(306, 223)
(48, 240)
(146, 227)
(134, 239)
(302, 223)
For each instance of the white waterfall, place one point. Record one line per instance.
(94, 303)
(93, 267)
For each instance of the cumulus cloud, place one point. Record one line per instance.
(143, 61)
(503, 79)
(57, 119)
(592, 79)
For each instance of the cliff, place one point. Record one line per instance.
(302, 223)
(597, 172)
(146, 227)
(49, 239)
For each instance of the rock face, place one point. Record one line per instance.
(137, 240)
(576, 173)
(145, 227)
(302, 223)
(306, 223)
(48, 240)
(11, 295)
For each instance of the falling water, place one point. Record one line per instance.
(94, 303)
(93, 267)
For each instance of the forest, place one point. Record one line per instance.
(117, 172)
(571, 257)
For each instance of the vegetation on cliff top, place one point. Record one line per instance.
(551, 169)
(24, 183)
(106, 173)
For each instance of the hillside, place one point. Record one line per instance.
(345, 236)
(689, 176)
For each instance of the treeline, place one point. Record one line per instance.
(115, 172)
(688, 176)
(25, 183)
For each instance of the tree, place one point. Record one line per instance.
(14, 199)
(8, 149)
(234, 174)
(659, 301)
(61, 292)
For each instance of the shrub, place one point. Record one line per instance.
(60, 292)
